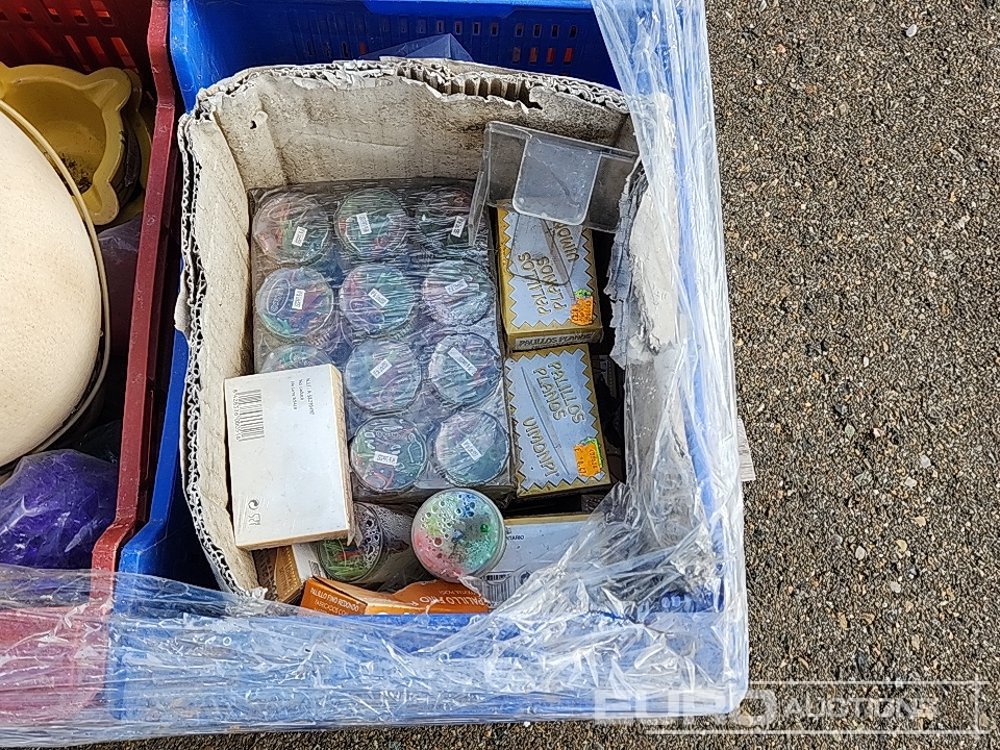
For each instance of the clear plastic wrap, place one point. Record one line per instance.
(383, 280)
(643, 616)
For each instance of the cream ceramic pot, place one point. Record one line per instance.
(51, 299)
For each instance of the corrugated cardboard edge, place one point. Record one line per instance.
(244, 119)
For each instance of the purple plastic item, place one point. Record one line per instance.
(54, 508)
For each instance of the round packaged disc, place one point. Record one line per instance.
(292, 228)
(471, 448)
(377, 299)
(334, 339)
(457, 292)
(294, 302)
(382, 376)
(294, 356)
(388, 454)
(372, 224)
(458, 533)
(443, 214)
(381, 551)
(464, 369)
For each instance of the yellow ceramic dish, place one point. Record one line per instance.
(80, 116)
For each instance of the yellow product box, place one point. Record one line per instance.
(548, 282)
(439, 597)
(285, 570)
(558, 442)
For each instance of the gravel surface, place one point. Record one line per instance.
(860, 171)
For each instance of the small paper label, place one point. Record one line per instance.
(471, 450)
(364, 225)
(385, 458)
(747, 471)
(582, 312)
(456, 231)
(588, 458)
(462, 361)
(299, 237)
(381, 369)
(378, 298)
(456, 287)
(298, 299)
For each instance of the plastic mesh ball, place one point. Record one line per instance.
(293, 303)
(458, 533)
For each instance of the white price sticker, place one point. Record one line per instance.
(461, 360)
(364, 225)
(385, 458)
(471, 450)
(456, 287)
(298, 299)
(456, 231)
(381, 369)
(299, 237)
(378, 298)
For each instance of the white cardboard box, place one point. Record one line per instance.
(532, 544)
(288, 463)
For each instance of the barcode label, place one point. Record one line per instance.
(378, 298)
(364, 225)
(456, 286)
(461, 360)
(456, 231)
(500, 587)
(299, 237)
(248, 415)
(385, 458)
(471, 450)
(381, 369)
(298, 299)
(747, 471)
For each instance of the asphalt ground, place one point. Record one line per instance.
(860, 166)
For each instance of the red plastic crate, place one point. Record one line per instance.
(87, 35)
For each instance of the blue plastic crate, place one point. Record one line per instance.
(213, 39)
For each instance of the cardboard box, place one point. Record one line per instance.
(288, 463)
(558, 443)
(438, 597)
(283, 571)
(227, 152)
(548, 282)
(532, 544)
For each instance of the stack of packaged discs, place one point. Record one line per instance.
(385, 281)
